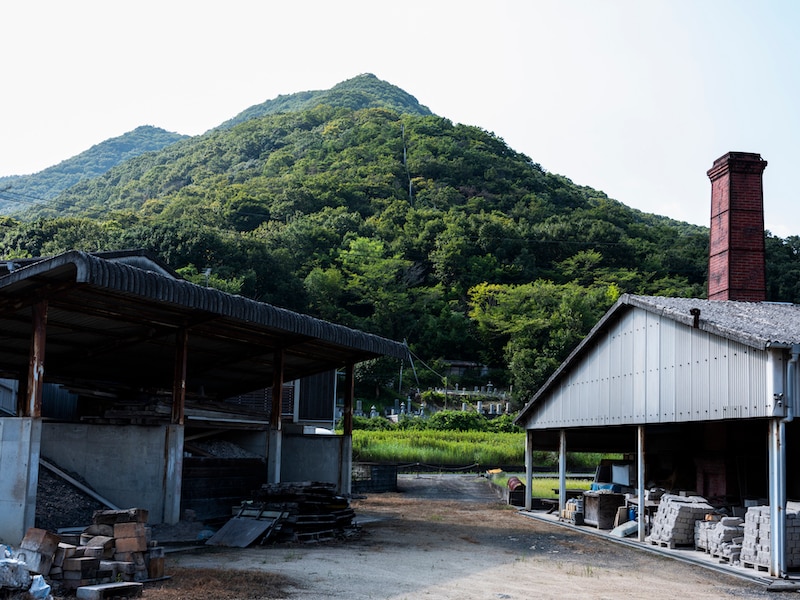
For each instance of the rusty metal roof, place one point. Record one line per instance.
(111, 325)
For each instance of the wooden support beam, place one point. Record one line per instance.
(277, 391)
(179, 381)
(349, 392)
(35, 381)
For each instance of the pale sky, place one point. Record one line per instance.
(632, 97)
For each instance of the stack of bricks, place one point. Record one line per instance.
(725, 539)
(702, 529)
(114, 549)
(37, 550)
(674, 523)
(755, 546)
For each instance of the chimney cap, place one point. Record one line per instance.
(740, 162)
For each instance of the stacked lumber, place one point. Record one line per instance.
(288, 512)
(674, 522)
(312, 510)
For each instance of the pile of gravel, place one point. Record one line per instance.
(59, 504)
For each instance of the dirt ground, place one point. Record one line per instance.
(444, 537)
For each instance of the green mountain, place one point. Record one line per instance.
(363, 91)
(20, 191)
(394, 221)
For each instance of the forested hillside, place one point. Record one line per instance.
(405, 225)
(17, 192)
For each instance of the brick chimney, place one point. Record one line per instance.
(736, 261)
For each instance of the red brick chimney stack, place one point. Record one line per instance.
(736, 261)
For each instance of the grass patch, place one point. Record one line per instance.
(542, 487)
(440, 448)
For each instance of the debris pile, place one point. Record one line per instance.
(288, 512)
(114, 554)
(674, 523)
(17, 582)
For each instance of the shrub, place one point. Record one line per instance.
(457, 420)
(503, 424)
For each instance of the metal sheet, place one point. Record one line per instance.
(650, 369)
(241, 532)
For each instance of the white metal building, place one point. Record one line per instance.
(702, 392)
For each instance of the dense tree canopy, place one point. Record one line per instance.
(399, 223)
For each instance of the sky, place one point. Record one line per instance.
(635, 98)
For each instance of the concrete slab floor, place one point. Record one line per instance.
(685, 554)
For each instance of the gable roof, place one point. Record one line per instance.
(112, 325)
(759, 325)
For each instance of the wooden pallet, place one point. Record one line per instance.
(756, 566)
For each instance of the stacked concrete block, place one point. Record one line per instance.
(702, 530)
(756, 546)
(114, 549)
(674, 522)
(37, 550)
(725, 539)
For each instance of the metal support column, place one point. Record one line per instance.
(528, 468)
(777, 497)
(640, 481)
(275, 432)
(346, 468)
(562, 472)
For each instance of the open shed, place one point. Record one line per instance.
(700, 394)
(119, 329)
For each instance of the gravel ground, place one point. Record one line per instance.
(449, 537)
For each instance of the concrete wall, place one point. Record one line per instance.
(19, 476)
(124, 464)
(312, 458)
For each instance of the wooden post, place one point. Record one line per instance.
(32, 406)
(179, 380)
(275, 451)
(349, 392)
(277, 391)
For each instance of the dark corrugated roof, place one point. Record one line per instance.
(756, 324)
(111, 321)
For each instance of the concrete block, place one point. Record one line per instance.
(37, 562)
(63, 551)
(100, 529)
(155, 568)
(109, 590)
(131, 544)
(84, 566)
(112, 517)
(129, 530)
(40, 540)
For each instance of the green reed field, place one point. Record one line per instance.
(440, 448)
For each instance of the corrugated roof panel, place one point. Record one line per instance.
(648, 368)
(653, 365)
(667, 399)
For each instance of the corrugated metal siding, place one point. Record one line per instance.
(651, 369)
